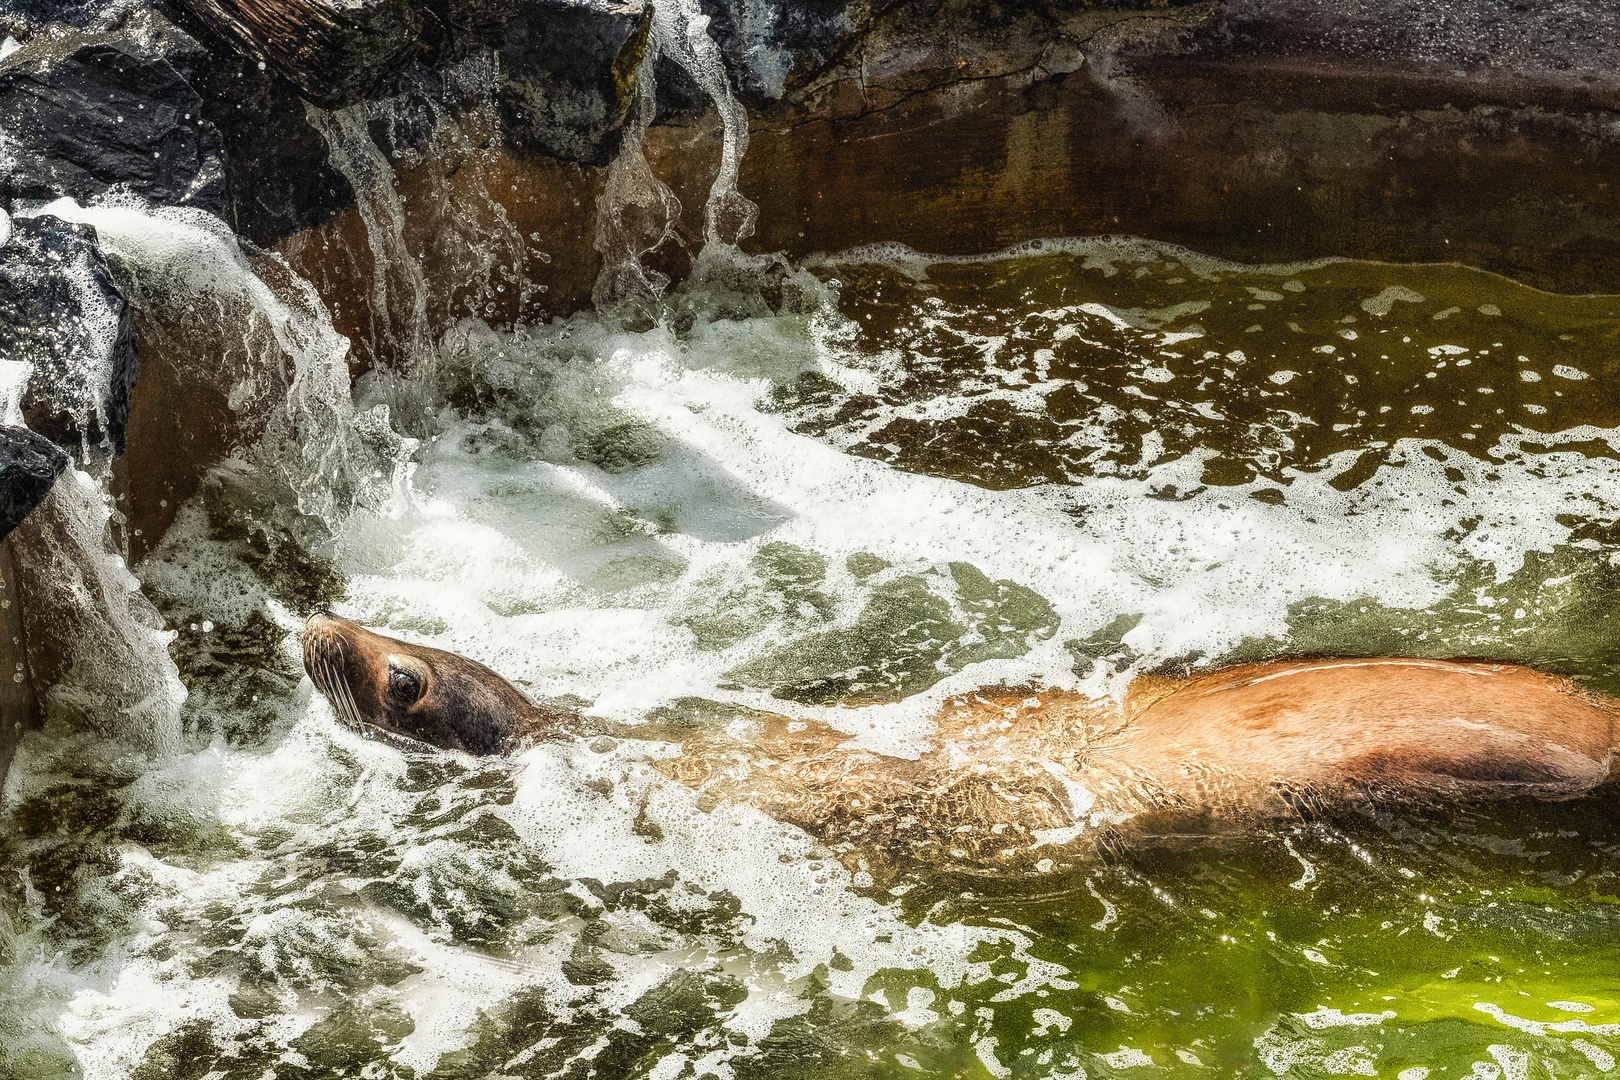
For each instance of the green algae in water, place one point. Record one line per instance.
(911, 632)
(1051, 368)
(1458, 940)
(1409, 941)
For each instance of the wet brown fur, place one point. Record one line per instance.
(463, 705)
(1008, 764)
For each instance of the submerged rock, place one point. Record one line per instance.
(29, 465)
(61, 314)
(83, 114)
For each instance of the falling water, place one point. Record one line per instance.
(99, 652)
(438, 125)
(683, 35)
(100, 647)
(257, 332)
(637, 212)
(398, 290)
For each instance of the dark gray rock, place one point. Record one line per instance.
(29, 465)
(464, 23)
(568, 71)
(768, 44)
(277, 176)
(336, 52)
(23, 17)
(280, 177)
(61, 313)
(565, 84)
(84, 113)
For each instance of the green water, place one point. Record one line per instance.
(611, 519)
(1448, 932)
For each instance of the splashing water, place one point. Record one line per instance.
(683, 35)
(772, 513)
(438, 117)
(282, 367)
(893, 480)
(99, 647)
(637, 212)
(85, 615)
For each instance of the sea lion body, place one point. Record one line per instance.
(1013, 768)
(1376, 726)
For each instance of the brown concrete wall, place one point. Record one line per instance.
(1259, 160)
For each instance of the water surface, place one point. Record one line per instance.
(1065, 465)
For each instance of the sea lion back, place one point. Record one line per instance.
(1378, 727)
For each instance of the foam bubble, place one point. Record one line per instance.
(638, 520)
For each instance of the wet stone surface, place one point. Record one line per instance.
(85, 114)
(29, 465)
(62, 314)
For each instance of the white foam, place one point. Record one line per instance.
(13, 383)
(575, 580)
(1096, 252)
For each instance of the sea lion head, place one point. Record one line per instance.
(381, 686)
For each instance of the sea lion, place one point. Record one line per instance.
(416, 697)
(1013, 769)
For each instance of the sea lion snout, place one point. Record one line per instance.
(382, 685)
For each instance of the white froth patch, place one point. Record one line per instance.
(793, 894)
(511, 559)
(1097, 252)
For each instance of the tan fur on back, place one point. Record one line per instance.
(1015, 773)
(1345, 726)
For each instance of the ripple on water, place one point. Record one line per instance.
(1061, 466)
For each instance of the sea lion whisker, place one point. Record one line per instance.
(355, 718)
(343, 699)
(324, 678)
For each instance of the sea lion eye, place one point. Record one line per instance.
(404, 685)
